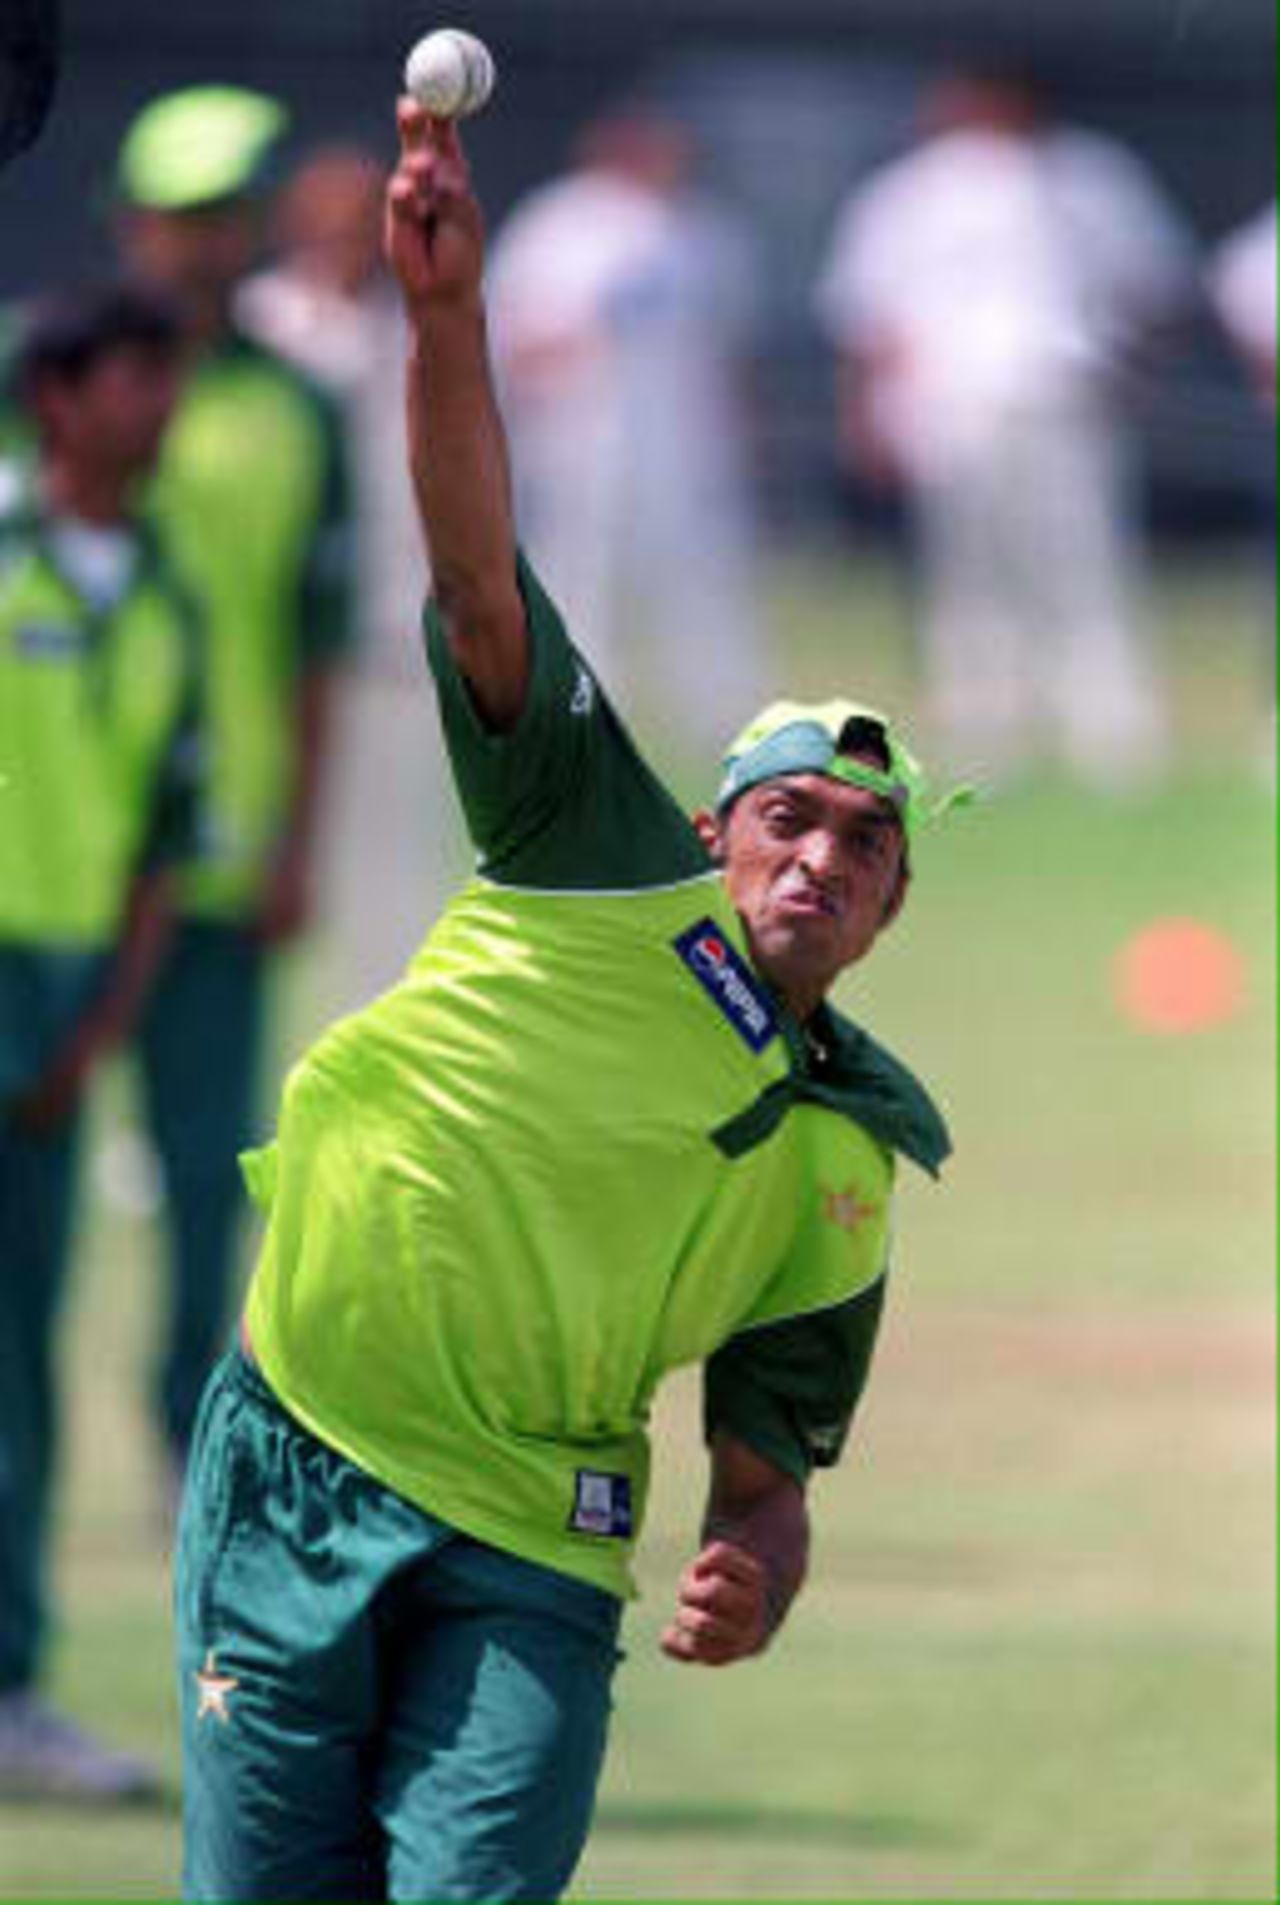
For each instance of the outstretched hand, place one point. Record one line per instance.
(434, 231)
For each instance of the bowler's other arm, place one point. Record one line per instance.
(736, 1592)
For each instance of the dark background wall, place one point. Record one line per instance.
(794, 99)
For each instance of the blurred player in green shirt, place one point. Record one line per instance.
(252, 491)
(607, 1124)
(98, 746)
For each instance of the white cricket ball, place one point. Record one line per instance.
(450, 72)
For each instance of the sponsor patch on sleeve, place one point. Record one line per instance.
(728, 982)
(601, 1504)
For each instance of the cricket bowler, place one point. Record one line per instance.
(606, 1125)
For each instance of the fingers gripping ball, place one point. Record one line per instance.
(450, 73)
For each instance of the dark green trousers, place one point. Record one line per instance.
(200, 1050)
(374, 1706)
(42, 994)
(37, 1197)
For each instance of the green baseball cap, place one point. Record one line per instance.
(795, 737)
(196, 147)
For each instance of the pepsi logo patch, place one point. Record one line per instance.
(728, 982)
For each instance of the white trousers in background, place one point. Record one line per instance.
(1033, 642)
(652, 564)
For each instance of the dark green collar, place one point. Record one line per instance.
(857, 1075)
(834, 1063)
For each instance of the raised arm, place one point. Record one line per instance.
(457, 444)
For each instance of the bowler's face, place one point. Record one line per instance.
(815, 869)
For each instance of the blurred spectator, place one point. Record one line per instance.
(98, 693)
(252, 491)
(1243, 287)
(329, 303)
(987, 293)
(622, 305)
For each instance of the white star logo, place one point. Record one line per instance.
(215, 1689)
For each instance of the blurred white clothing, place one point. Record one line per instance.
(994, 287)
(1242, 283)
(355, 347)
(1242, 287)
(620, 321)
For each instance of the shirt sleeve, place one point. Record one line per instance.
(564, 801)
(790, 1390)
(1135, 252)
(327, 584)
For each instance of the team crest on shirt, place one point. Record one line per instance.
(728, 982)
(601, 1504)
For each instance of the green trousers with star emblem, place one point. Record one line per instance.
(374, 1706)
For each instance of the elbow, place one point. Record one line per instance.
(475, 606)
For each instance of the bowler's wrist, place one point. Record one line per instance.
(442, 318)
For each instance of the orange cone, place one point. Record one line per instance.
(1179, 975)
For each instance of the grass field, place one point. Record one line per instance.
(1036, 1660)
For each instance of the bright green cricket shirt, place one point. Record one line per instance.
(99, 715)
(254, 499)
(577, 1146)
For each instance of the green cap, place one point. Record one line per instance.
(794, 737)
(196, 147)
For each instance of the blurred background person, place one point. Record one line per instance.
(328, 302)
(989, 295)
(252, 491)
(1242, 280)
(1242, 289)
(623, 305)
(98, 746)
